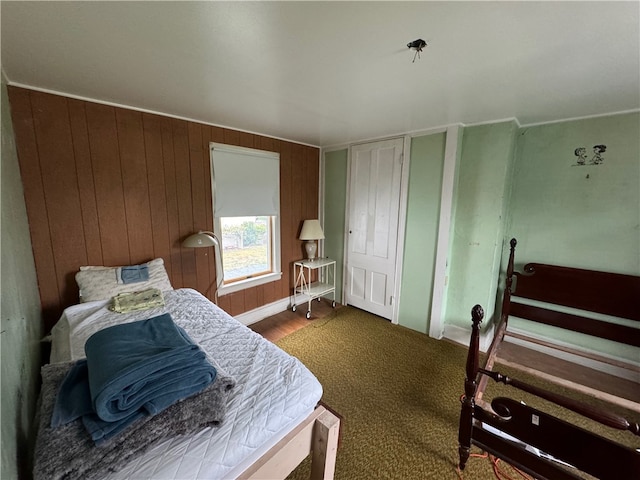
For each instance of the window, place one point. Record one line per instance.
(246, 211)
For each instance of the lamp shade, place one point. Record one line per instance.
(311, 230)
(200, 239)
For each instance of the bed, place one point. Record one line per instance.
(272, 421)
(545, 445)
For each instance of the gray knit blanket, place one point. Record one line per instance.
(67, 452)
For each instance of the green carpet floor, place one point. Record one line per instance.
(398, 392)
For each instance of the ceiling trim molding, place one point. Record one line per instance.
(329, 148)
(433, 131)
(153, 112)
(444, 128)
(492, 122)
(586, 117)
(335, 148)
(413, 133)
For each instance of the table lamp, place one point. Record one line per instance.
(311, 231)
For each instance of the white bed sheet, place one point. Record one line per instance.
(274, 391)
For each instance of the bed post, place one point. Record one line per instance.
(325, 446)
(506, 298)
(468, 403)
(504, 318)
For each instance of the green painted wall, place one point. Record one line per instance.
(483, 182)
(421, 234)
(582, 216)
(511, 182)
(20, 309)
(335, 198)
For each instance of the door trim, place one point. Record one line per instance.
(447, 207)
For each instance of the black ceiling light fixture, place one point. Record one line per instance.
(417, 45)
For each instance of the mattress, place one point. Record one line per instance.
(274, 391)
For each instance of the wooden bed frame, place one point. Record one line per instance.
(318, 434)
(611, 294)
(605, 293)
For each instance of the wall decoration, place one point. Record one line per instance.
(581, 153)
(583, 156)
(598, 150)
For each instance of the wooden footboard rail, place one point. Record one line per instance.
(513, 426)
(609, 419)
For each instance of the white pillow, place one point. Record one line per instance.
(101, 283)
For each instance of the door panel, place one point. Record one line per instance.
(356, 289)
(374, 199)
(378, 288)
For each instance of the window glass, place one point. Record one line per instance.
(246, 247)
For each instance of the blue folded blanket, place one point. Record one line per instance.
(132, 370)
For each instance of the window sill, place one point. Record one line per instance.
(251, 282)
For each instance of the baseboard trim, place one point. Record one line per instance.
(462, 336)
(260, 313)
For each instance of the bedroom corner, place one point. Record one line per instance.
(21, 327)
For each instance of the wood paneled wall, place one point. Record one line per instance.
(112, 186)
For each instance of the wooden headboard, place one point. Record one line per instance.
(613, 294)
(589, 292)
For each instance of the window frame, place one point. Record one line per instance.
(276, 245)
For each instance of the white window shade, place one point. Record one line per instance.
(246, 182)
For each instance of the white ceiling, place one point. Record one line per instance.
(331, 73)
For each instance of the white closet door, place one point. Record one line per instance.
(374, 201)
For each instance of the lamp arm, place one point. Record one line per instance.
(218, 259)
